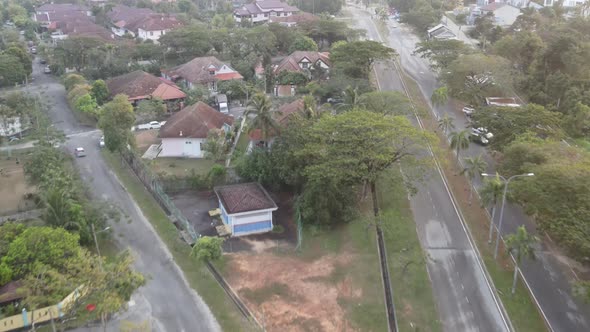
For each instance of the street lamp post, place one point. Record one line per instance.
(506, 182)
(96, 241)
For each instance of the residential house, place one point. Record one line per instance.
(185, 132)
(154, 26)
(206, 71)
(440, 32)
(285, 112)
(124, 18)
(261, 11)
(504, 15)
(139, 85)
(304, 62)
(294, 19)
(246, 208)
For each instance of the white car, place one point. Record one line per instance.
(155, 125)
(79, 152)
(101, 142)
(468, 110)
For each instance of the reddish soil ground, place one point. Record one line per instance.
(291, 294)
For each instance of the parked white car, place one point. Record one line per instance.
(468, 110)
(101, 142)
(150, 125)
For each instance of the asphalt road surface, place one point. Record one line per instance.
(464, 297)
(549, 278)
(167, 302)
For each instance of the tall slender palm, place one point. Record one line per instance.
(446, 124)
(474, 166)
(351, 98)
(459, 141)
(311, 110)
(260, 107)
(521, 245)
(491, 193)
(440, 96)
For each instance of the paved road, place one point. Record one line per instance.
(166, 301)
(464, 298)
(549, 278)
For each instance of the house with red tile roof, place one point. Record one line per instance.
(309, 63)
(139, 85)
(282, 116)
(205, 71)
(261, 11)
(123, 19)
(185, 132)
(154, 26)
(246, 208)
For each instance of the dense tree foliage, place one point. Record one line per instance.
(115, 121)
(558, 196)
(356, 58)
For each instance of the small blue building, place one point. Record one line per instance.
(246, 208)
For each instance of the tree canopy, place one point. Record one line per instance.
(116, 120)
(356, 58)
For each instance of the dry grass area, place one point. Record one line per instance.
(13, 186)
(145, 138)
(291, 294)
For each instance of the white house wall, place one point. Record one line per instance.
(151, 35)
(181, 147)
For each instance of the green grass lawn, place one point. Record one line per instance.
(415, 306)
(195, 272)
(181, 167)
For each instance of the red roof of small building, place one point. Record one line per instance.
(282, 118)
(194, 121)
(244, 197)
(10, 292)
(141, 85)
(229, 76)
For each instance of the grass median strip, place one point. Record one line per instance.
(520, 307)
(195, 272)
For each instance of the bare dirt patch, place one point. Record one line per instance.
(145, 138)
(13, 187)
(291, 294)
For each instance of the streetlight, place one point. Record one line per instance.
(506, 182)
(96, 242)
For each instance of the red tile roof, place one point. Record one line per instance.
(282, 118)
(141, 85)
(197, 71)
(10, 292)
(155, 22)
(194, 121)
(244, 197)
(291, 63)
(228, 76)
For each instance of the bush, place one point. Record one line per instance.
(207, 248)
(72, 80)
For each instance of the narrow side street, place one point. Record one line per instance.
(166, 301)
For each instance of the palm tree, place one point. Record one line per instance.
(491, 192)
(351, 98)
(459, 141)
(520, 244)
(261, 107)
(473, 168)
(446, 124)
(440, 96)
(311, 110)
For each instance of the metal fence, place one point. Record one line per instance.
(155, 187)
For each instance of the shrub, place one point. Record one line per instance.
(207, 248)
